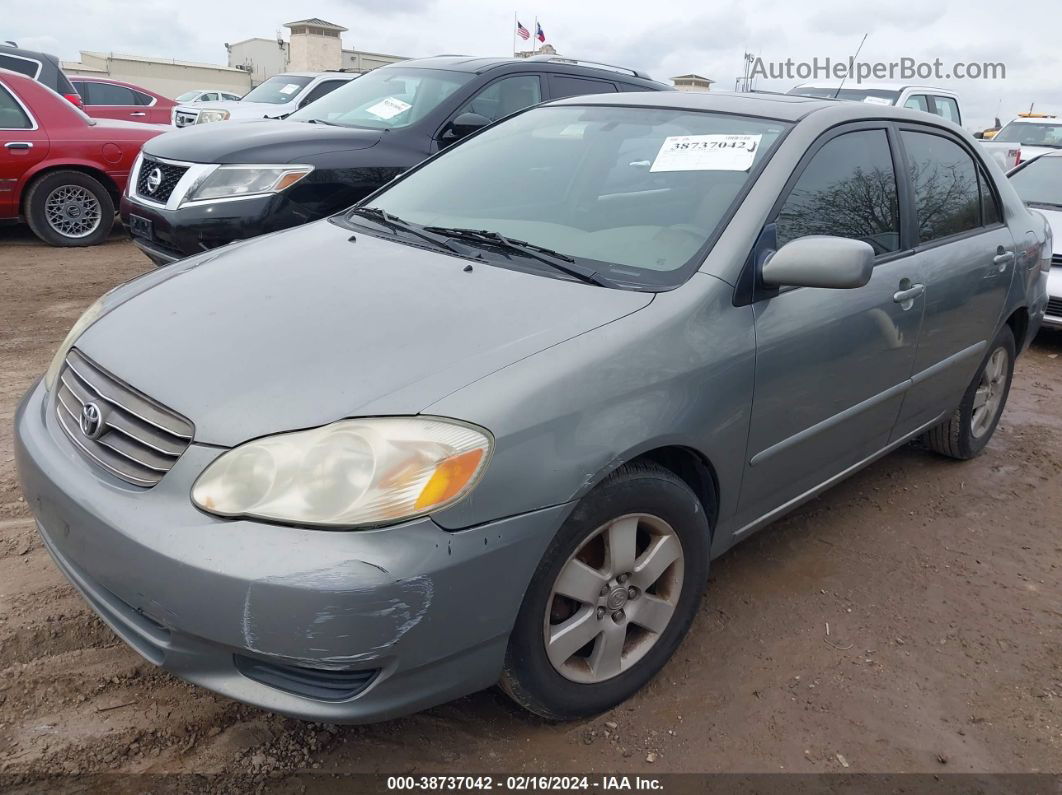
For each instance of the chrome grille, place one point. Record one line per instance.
(1056, 261)
(169, 175)
(139, 439)
(185, 118)
(1054, 307)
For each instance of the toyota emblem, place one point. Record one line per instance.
(91, 421)
(154, 179)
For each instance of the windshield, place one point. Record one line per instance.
(634, 193)
(386, 98)
(1030, 134)
(872, 96)
(278, 90)
(187, 96)
(1040, 181)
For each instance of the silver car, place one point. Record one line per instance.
(492, 424)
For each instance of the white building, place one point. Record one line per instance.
(162, 75)
(314, 45)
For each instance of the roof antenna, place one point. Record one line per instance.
(860, 47)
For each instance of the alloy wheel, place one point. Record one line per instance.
(989, 395)
(613, 598)
(72, 211)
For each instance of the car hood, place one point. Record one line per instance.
(262, 141)
(304, 327)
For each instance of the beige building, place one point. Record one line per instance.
(314, 45)
(692, 83)
(162, 75)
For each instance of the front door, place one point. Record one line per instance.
(832, 365)
(967, 256)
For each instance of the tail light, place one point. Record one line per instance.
(1017, 157)
(76, 99)
(1048, 248)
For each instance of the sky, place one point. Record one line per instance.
(680, 37)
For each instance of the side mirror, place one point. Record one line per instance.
(466, 124)
(979, 135)
(820, 261)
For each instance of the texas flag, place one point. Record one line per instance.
(539, 33)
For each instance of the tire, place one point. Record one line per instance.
(658, 515)
(72, 201)
(966, 432)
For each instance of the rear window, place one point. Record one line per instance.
(872, 96)
(17, 63)
(12, 116)
(278, 90)
(1040, 181)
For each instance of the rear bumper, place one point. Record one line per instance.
(404, 618)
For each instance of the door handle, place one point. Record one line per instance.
(1003, 259)
(908, 295)
(138, 113)
(18, 145)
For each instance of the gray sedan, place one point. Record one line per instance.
(491, 425)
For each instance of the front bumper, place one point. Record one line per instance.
(195, 228)
(1053, 316)
(419, 615)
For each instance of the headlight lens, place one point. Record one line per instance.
(352, 473)
(207, 116)
(90, 316)
(227, 181)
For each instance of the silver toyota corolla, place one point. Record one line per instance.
(492, 424)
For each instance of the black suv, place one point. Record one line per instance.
(41, 66)
(202, 187)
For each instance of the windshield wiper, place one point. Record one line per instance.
(554, 259)
(397, 224)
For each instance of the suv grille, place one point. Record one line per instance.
(1054, 307)
(168, 176)
(137, 439)
(185, 118)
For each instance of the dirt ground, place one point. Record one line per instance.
(941, 583)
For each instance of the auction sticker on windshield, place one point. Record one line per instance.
(290, 88)
(706, 153)
(389, 108)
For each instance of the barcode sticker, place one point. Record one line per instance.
(707, 153)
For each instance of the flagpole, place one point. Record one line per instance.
(534, 38)
(514, 34)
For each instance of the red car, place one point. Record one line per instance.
(60, 170)
(105, 98)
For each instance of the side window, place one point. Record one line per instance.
(142, 98)
(79, 87)
(945, 185)
(210, 96)
(108, 94)
(948, 108)
(990, 211)
(847, 190)
(561, 86)
(319, 90)
(12, 117)
(24, 66)
(917, 102)
(505, 96)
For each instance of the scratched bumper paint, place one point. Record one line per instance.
(431, 609)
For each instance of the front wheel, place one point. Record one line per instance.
(69, 208)
(612, 598)
(967, 431)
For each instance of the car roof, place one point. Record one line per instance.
(349, 75)
(782, 107)
(479, 64)
(879, 86)
(1025, 120)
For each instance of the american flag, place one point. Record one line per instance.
(522, 32)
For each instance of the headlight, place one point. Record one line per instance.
(352, 473)
(90, 316)
(207, 116)
(228, 181)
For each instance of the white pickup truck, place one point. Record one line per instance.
(928, 99)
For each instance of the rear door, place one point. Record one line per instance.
(831, 365)
(111, 101)
(966, 255)
(22, 145)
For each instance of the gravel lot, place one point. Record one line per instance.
(941, 583)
